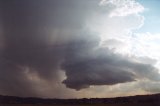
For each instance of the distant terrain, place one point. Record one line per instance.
(141, 100)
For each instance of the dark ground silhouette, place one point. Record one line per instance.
(147, 99)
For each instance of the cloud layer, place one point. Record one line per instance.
(104, 67)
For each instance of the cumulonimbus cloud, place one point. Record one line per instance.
(46, 36)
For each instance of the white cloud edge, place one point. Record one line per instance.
(123, 7)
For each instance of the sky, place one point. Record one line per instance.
(79, 48)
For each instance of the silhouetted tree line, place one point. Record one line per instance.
(132, 99)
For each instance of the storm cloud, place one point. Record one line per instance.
(44, 37)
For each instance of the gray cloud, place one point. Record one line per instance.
(104, 67)
(35, 34)
(46, 36)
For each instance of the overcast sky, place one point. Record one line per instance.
(79, 48)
